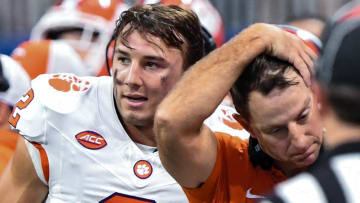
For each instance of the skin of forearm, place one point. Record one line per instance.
(205, 84)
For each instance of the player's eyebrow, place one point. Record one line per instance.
(274, 126)
(119, 51)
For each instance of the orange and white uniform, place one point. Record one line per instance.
(93, 17)
(81, 150)
(233, 178)
(49, 56)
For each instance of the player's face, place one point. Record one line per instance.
(143, 74)
(287, 124)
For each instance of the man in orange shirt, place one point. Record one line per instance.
(276, 106)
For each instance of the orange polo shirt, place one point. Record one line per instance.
(234, 179)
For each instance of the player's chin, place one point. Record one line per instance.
(307, 161)
(139, 120)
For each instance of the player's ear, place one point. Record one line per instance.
(320, 98)
(244, 123)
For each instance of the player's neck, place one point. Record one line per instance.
(141, 135)
(288, 170)
(138, 134)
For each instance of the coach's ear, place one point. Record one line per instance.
(244, 123)
(320, 98)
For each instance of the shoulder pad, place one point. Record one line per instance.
(61, 92)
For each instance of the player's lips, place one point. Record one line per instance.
(306, 153)
(135, 100)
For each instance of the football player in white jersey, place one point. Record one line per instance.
(90, 139)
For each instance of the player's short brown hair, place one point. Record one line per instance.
(174, 25)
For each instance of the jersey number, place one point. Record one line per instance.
(118, 197)
(14, 117)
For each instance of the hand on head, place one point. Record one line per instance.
(288, 47)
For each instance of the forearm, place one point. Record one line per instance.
(203, 87)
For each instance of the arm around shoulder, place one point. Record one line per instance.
(20, 182)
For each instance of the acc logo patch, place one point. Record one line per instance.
(68, 82)
(91, 140)
(143, 169)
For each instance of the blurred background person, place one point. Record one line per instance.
(235, 14)
(49, 56)
(223, 19)
(85, 26)
(14, 82)
(312, 23)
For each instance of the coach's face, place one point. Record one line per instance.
(287, 124)
(144, 72)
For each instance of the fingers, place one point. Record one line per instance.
(302, 67)
(309, 57)
(313, 56)
(309, 62)
(289, 47)
(311, 53)
(303, 58)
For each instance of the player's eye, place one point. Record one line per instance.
(151, 65)
(304, 117)
(123, 60)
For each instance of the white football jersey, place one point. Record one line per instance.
(80, 148)
(222, 120)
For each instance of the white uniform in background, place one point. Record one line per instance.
(49, 56)
(222, 120)
(17, 78)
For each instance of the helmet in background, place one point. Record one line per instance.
(95, 19)
(49, 56)
(16, 78)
